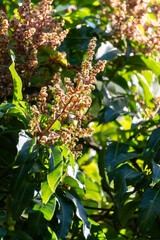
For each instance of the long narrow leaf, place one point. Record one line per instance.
(17, 94)
(82, 214)
(55, 168)
(64, 217)
(149, 208)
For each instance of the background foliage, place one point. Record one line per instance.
(113, 190)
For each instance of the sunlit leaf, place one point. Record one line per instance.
(55, 167)
(96, 231)
(46, 192)
(47, 209)
(17, 94)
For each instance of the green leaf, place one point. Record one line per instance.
(18, 112)
(81, 214)
(3, 232)
(25, 160)
(114, 109)
(74, 184)
(6, 106)
(47, 209)
(8, 151)
(36, 224)
(66, 152)
(124, 175)
(152, 149)
(53, 235)
(25, 147)
(55, 168)
(114, 150)
(22, 235)
(152, 65)
(155, 172)
(96, 231)
(17, 83)
(149, 209)
(107, 51)
(46, 192)
(56, 125)
(21, 198)
(148, 97)
(127, 211)
(64, 217)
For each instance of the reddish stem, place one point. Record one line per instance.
(47, 129)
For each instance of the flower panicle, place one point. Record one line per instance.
(69, 106)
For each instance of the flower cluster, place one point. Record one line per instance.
(65, 119)
(137, 20)
(30, 29)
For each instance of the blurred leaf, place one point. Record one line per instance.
(3, 232)
(81, 214)
(115, 109)
(17, 94)
(149, 208)
(56, 125)
(152, 65)
(6, 106)
(64, 217)
(146, 88)
(55, 167)
(96, 231)
(127, 211)
(107, 51)
(53, 235)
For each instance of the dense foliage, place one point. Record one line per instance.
(79, 119)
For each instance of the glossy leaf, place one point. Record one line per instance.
(25, 160)
(155, 172)
(81, 214)
(149, 208)
(64, 217)
(124, 175)
(55, 168)
(114, 150)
